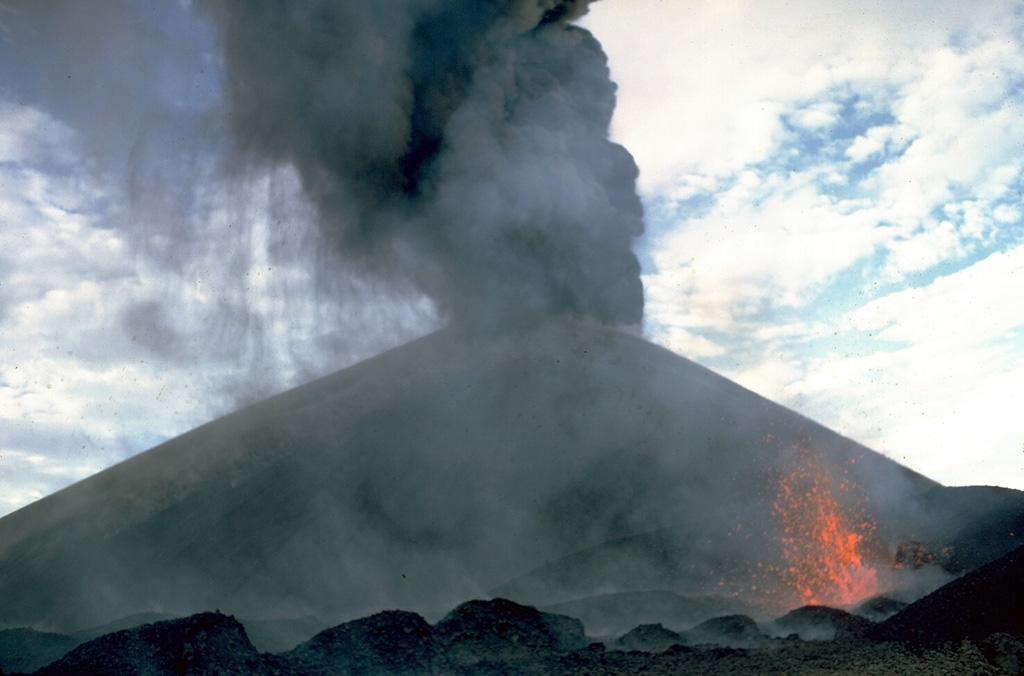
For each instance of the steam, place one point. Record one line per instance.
(461, 145)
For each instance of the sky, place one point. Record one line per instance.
(833, 198)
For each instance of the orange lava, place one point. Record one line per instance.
(824, 535)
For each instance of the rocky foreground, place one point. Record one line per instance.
(974, 625)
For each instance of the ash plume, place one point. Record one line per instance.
(461, 145)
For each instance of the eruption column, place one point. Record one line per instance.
(458, 144)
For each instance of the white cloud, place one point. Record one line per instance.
(701, 81)
(936, 383)
(937, 412)
(775, 236)
(972, 306)
(680, 339)
(756, 252)
(804, 164)
(877, 141)
(922, 251)
(819, 115)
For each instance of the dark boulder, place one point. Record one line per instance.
(206, 644)
(498, 631)
(649, 638)
(731, 631)
(568, 631)
(821, 623)
(388, 643)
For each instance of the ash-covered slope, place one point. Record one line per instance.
(986, 601)
(430, 474)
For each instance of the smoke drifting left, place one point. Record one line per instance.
(460, 145)
(297, 186)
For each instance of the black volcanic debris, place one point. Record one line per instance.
(983, 602)
(731, 631)
(475, 637)
(499, 636)
(460, 144)
(651, 638)
(208, 643)
(1005, 651)
(501, 631)
(814, 623)
(390, 643)
(568, 631)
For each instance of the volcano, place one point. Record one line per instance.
(559, 463)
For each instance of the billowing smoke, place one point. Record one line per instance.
(297, 186)
(461, 145)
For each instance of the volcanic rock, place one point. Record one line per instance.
(568, 631)
(391, 643)
(503, 631)
(488, 637)
(204, 644)
(879, 608)
(821, 623)
(439, 471)
(731, 631)
(24, 650)
(651, 638)
(1005, 651)
(983, 602)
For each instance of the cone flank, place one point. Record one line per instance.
(429, 475)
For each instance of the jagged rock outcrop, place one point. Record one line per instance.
(731, 631)
(821, 623)
(207, 644)
(651, 638)
(504, 631)
(499, 637)
(391, 643)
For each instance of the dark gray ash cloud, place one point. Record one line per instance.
(458, 144)
(454, 148)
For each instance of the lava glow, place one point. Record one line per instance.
(824, 536)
